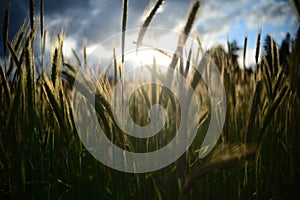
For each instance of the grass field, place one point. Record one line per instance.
(42, 156)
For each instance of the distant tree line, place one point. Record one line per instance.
(273, 55)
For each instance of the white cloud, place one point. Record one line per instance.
(250, 58)
(69, 44)
(218, 17)
(267, 11)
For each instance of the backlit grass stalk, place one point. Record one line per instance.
(257, 49)
(124, 21)
(147, 21)
(5, 30)
(192, 16)
(245, 50)
(31, 13)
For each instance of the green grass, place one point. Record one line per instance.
(42, 157)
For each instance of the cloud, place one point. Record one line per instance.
(271, 12)
(216, 13)
(218, 18)
(97, 20)
(250, 58)
(100, 20)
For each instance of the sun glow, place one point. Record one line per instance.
(148, 57)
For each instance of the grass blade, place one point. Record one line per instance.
(244, 54)
(147, 22)
(49, 92)
(221, 161)
(254, 108)
(42, 18)
(124, 21)
(270, 112)
(14, 55)
(257, 46)
(5, 85)
(31, 13)
(76, 57)
(5, 30)
(194, 11)
(188, 62)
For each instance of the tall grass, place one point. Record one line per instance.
(42, 157)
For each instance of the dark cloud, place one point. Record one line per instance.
(18, 12)
(53, 7)
(101, 19)
(97, 20)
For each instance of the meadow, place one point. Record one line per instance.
(42, 156)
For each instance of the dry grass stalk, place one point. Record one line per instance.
(244, 54)
(192, 16)
(253, 111)
(219, 160)
(154, 86)
(84, 53)
(5, 30)
(257, 49)
(42, 18)
(147, 22)
(124, 21)
(31, 13)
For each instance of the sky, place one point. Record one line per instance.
(97, 20)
